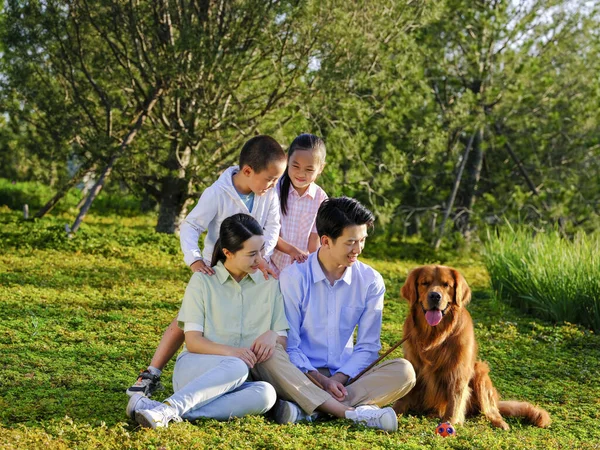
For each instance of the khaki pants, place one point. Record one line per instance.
(383, 384)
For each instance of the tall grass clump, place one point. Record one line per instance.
(547, 275)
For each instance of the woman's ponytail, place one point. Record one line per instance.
(218, 254)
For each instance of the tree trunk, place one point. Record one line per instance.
(173, 201)
(469, 194)
(520, 166)
(143, 114)
(93, 194)
(455, 187)
(80, 174)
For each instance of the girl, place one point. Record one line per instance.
(300, 199)
(232, 321)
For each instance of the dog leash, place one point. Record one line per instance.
(369, 367)
(374, 363)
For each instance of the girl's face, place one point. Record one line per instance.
(246, 259)
(304, 167)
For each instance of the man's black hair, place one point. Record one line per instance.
(335, 214)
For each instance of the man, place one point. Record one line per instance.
(326, 299)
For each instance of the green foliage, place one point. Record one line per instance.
(80, 318)
(547, 275)
(16, 194)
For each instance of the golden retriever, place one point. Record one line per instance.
(440, 344)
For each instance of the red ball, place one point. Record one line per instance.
(445, 429)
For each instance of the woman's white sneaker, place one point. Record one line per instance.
(158, 417)
(138, 402)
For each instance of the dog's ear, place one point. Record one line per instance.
(462, 291)
(410, 289)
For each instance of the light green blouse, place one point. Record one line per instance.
(233, 313)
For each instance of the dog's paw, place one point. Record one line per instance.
(501, 424)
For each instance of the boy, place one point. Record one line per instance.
(246, 188)
(326, 299)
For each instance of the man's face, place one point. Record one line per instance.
(345, 249)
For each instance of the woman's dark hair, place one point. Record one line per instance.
(303, 142)
(335, 214)
(234, 231)
(259, 152)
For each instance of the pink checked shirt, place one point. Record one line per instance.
(299, 222)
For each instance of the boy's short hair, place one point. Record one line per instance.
(335, 214)
(260, 151)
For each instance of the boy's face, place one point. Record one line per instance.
(345, 249)
(261, 182)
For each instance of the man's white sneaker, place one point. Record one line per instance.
(158, 417)
(138, 402)
(374, 417)
(289, 412)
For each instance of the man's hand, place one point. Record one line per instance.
(333, 384)
(264, 345)
(200, 266)
(263, 266)
(335, 388)
(245, 354)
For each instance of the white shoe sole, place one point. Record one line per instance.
(146, 420)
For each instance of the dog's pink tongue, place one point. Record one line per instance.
(433, 317)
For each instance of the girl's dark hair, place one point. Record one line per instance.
(335, 214)
(234, 231)
(303, 142)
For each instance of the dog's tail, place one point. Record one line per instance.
(534, 415)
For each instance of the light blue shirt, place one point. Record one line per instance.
(248, 200)
(323, 317)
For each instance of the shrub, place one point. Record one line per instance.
(547, 275)
(35, 194)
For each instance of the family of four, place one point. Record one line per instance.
(254, 343)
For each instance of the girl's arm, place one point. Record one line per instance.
(197, 343)
(295, 253)
(313, 242)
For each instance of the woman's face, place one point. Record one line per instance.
(246, 259)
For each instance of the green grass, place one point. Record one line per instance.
(546, 275)
(79, 318)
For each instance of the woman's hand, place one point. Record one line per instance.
(264, 345)
(245, 354)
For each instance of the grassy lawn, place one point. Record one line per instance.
(78, 320)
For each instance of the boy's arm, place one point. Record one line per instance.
(195, 224)
(272, 225)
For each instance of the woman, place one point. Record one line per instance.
(232, 321)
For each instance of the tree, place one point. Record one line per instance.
(201, 76)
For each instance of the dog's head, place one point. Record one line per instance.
(436, 290)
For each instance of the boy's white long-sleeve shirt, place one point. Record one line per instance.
(219, 201)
